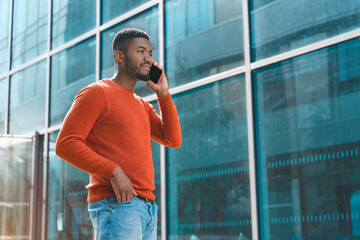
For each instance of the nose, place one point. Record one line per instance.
(147, 57)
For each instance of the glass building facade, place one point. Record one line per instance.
(267, 92)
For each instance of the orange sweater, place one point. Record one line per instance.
(109, 126)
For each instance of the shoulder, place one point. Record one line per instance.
(94, 89)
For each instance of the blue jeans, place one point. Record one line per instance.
(132, 220)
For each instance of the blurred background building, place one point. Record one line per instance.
(268, 95)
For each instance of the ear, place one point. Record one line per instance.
(119, 56)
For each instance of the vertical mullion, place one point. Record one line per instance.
(47, 123)
(7, 109)
(250, 121)
(34, 184)
(97, 53)
(162, 148)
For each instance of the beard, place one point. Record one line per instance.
(134, 70)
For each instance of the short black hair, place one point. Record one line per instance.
(121, 39)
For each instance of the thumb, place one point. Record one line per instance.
(134, 192)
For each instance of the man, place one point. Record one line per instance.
(107, 133)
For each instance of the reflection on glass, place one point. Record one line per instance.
(29, 30)
(3, 104)
(208, 191)
(155, 148)
(280, 26)
(113, 8)
(71, 70)
(67, 209)
(146, 21)
(27, 99)
(4, 33)
(308, 124)
(15, 187)
(202, 39)
(70, 19)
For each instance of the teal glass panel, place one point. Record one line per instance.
(68, 216)
(29, 30)
(71, 70)
(4, 35)
(281, 26)
(15, 187)
(147, 21)
(202, 38)
(155, 148)
(112, 8)
(308, 145)
(3, 104)
(71, 19)
(208, 176)
(27, 99)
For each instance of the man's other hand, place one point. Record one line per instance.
(121, 184)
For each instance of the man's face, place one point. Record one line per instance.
(138, 58)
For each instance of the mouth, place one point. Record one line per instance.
(146, 66)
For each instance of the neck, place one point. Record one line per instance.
(123, 79)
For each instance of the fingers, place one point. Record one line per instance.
(118, 198)
(158, 65)
(124, 197)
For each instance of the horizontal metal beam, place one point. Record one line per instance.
(28, 64)
(201, 82)
(73, 42)
(128, 14)
(307, 49)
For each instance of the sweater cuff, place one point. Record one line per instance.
(109, 169)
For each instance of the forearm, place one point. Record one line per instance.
(169, 125)
(73, 150)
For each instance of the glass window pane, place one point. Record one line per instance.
(3, 104)
(208, 191)
(300, 23)
(202, 38)
(308, 124)
(155, 148)
(27, 99)
(68, 216)
(71, 70)
(15, 178)
(113, 8)
(70, 19)
(29, 30)
(4, 33)
(147, 21)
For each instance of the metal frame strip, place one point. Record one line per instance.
(45, 173)
(98, 43)
(306, 49)
(201, 82)
(34, 185)
(163, 181)
(129, 14)
(250, 121)
(7, 108)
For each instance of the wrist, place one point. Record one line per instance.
(163, 93)
(116, 172)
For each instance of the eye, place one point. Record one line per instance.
(141, 51)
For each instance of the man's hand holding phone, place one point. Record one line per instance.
(161, 88)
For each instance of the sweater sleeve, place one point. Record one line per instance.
(165, 129)
(90, 106)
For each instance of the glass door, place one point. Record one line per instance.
(19, 158)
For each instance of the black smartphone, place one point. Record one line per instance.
(155, 73)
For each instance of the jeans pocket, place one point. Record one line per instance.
(122, 204)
